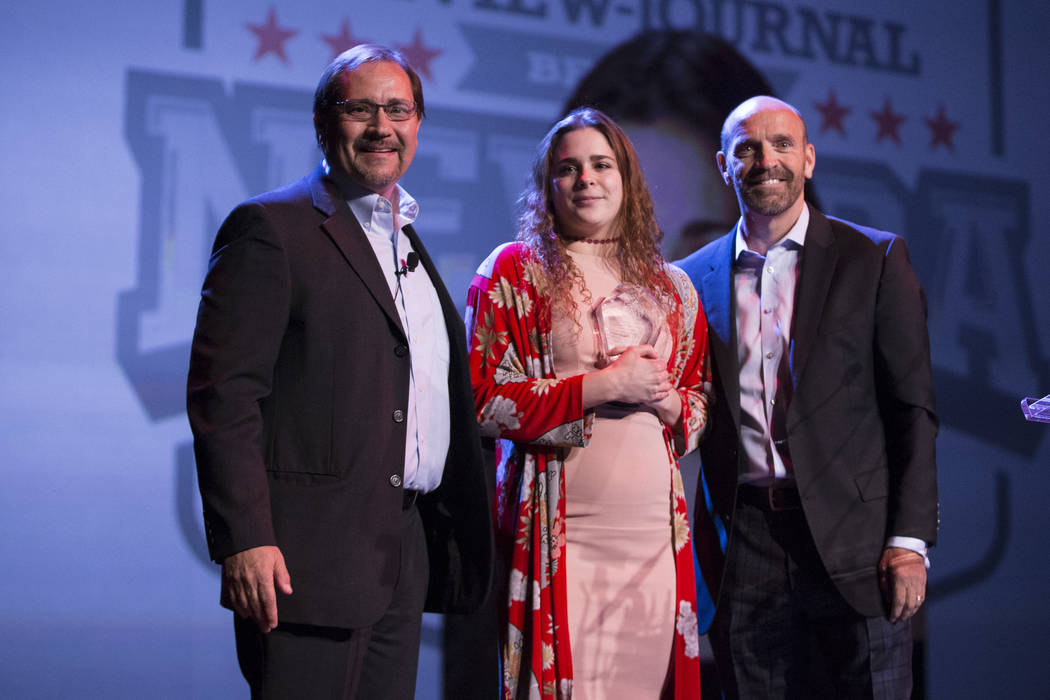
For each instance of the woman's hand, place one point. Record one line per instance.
(668, 409)
(637, 376)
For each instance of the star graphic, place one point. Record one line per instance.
(343, 40)
(832, 114)
(941, 130)
(271, 37)
(888, 121)
(419, 56)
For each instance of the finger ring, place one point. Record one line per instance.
(918, 599)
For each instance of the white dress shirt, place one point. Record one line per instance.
(764, 294)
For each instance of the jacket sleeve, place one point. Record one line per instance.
(516, 394)
(241, 320)
(904, 384)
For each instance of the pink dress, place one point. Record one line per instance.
(620, 565)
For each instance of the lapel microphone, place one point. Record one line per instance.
(408, 263)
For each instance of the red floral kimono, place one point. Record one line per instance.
(519, 400)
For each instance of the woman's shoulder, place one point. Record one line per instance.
(682, 284)
(505, 259)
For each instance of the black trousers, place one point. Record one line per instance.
(782, 630)
(307, 662)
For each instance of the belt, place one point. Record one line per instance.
(408, 498)
(770, 498)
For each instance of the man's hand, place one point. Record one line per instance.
(902, 578)
(248, 580)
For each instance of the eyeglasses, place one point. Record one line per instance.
(365, 110)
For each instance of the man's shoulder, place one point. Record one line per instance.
(276, 214)
(706, 258)
(857, 234)
(296, 193)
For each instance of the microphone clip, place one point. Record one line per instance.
(409, 263)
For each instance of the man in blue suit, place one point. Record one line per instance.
(820, 452)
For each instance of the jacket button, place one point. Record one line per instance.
(395, 480)
(399, 416)
(401, 350)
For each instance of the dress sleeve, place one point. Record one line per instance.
(516, 395)
(691, 370)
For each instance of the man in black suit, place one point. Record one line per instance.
(819, 457)
(330, 401)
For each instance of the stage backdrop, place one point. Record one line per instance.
(129, 130)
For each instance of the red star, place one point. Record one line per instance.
(832, 114)
(888, 121)
(271, 37)
(941, 130)
(419, 56)
(343, 40)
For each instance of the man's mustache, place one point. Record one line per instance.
(778, 173)
(368, 145)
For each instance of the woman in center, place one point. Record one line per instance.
(589, 363)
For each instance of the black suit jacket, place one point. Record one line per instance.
(861, 424)
(297, 389)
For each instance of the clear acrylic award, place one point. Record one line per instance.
(1036, 410)
(629, 316)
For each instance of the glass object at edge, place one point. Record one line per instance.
(1036, 410)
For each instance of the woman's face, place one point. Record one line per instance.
(587, 187)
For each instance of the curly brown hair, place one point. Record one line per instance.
(638, 251)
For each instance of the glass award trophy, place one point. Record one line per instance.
(629, 316)
(1036, 410)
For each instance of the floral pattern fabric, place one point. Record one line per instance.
(536, 416)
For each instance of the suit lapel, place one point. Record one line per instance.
(717, 284)
(346, 233)
(819, 256)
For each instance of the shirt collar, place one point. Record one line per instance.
(364, 203)
(796, 235)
